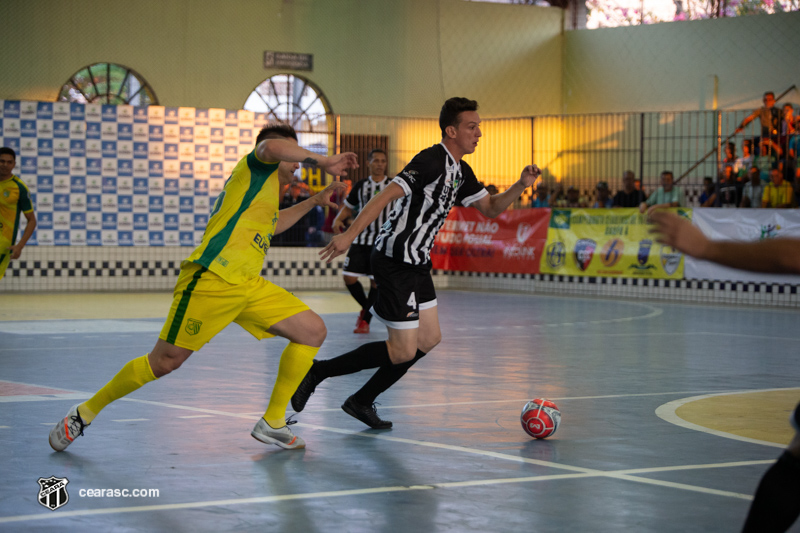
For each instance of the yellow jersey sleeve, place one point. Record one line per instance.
(15, 198)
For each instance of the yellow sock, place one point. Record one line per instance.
(296, 359)
(133, 375)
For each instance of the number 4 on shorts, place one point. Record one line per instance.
(412, 301)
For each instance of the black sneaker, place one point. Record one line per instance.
(305, 390)
(366, 413)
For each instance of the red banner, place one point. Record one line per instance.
(511, 243)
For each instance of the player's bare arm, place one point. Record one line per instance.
(770, 255)
(16, 250)
(341, 218)
(288, 217)
(340, 243)
(491, 206)
(288, 150)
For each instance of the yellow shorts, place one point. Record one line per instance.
(204, 304)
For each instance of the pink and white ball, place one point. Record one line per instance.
(540, 418)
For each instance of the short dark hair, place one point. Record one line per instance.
(769, 92)
(668, 172)
(376, 151)
(8, 151)
(273, 131)
(451, 109)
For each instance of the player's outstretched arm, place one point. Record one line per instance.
(288, 150)
(770, 255)
(340, 243)
(492, 205)
(16, 250)
(289, 216)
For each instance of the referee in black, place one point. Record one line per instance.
(357, 262)
(427, 188)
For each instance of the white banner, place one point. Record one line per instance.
(742, 225)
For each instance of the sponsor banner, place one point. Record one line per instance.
(742, 225)
(608, 243)
(511, 243)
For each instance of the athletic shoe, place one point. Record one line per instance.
(305, 390)
(360, 318)
(362, 327)
(366, 413)
(795, 418)
(67, 430)
(283, 437)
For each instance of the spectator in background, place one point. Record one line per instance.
(492, 189)
(743, 164)
(767, 159)
(787, 121)
(778, 193)
(730, 156)
(668, 195)
(558, 197)
(726, 192)
(603, 196)
(296, 235)
(630, 195)
(707, 196)
(574, 198)
(753, 190)
(768, 115)
(542, 199)
(330, 216)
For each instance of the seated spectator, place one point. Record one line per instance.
(603, 196)
(630, 195)
(574, 198)
(730, 156)
(726, 192)
(558, 197)
(787, 121)
(707, 196)
(743, 164)
(668, 195)
(778, 193)
(542, 198)
(753, 190)
(767, 159)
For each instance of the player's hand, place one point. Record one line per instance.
(338, 226)
(338, 245)
(323, 197)
(529, 175)
(339, 164)
(676, 231)
(15, 250)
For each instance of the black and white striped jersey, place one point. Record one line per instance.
(361, 193)
(433, 181)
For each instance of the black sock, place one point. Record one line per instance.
(386, 376)
(370, 355)
(371, 297)
(776, 504)
(358, 293)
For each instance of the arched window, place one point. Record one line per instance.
(291, 100)
(107, 83)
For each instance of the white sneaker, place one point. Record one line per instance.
(283, 437)
(67, 430)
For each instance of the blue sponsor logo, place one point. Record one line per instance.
(187, 134)
(125, 167)
(140, 186)
(187, 169)
(94, 238)
(12, 143)
(140, 221)
(187, 204)
(11, 109)
(200, 222)
(77, 221)
(155, 169)
(201, 117)
(201, 152)
(171, 222)
(61, 165)
(44, 183)
(217, 135)
(156, 133)
(77, 184)
(109, 185)
(77, 111)
(156, 204)
(125, 132)
(170, 151)
(231, 118)
(201, 187)
(140, 150)
(61, 238)
(171, 115)
(93, 130)
(45, 147)
(44, 220)
(156, 238)
(125, 238)
(171, 186)
(186, 238)
(77, 148)
(231, 153)
(110, 149)
(27, 128)
(94, 202)
(216, 170)
(109, 113)
(44, 111)
(61, 202)
(29, 165)
(245, 136)
(140, 114)
(125, 204)
(94, 167)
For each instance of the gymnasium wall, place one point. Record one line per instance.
(391, 58)
(670, 67)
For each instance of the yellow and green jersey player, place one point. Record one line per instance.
(220, 283)
(15, 200)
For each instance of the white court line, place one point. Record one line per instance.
(44, 397)
(667, 413)
(131, 420)
(197, 416)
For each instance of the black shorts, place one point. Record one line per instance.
(403, 290)
(357, 262)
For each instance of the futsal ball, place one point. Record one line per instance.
(540, 418)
